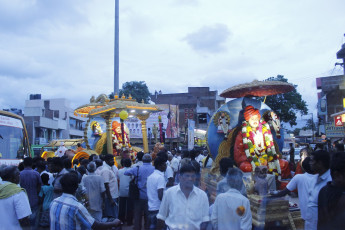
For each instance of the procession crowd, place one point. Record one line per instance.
(158, 191)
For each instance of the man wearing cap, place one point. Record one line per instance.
(254, 144)
(61, 150)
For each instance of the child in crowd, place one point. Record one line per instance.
(46, 195)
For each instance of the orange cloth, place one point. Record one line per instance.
(250, 111)
(79, 149)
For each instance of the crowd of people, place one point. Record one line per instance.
(96, 194)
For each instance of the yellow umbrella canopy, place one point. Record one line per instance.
(103, 105)
(130, 105)
(95, 103)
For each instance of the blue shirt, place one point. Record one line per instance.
(48, 192)
(144, 172)
(67, 213)
(30, 180)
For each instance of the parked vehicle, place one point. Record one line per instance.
(14, 141)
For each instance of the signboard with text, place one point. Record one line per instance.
(334, 131)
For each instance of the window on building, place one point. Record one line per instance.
(202, 118)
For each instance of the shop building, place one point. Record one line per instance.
(198, 104)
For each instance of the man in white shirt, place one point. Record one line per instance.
(319, 163)
(14, 203)
(61, 150)
(95, 191)
(111, 187)
(231, 210)
(155, 188)
(301, 182)
(184, 206)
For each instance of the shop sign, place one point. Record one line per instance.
(334, 131)
(338, 121)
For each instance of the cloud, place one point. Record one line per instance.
(210, 39)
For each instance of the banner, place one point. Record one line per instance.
(170, 120)
(191, 127)
(333, 131)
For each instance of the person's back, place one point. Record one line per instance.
(47, 194)
(67, 213)
(14, 203)
(331, 200)
(227, 207)
(231, 210)
(30, 180)
(302, 182)
(94, 188)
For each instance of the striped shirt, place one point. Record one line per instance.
(67, 213)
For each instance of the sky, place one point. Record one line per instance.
(65, 49)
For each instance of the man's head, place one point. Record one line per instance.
(27, 162)
(163, 155)
(306, 165)
(147, 158)
(78, 145)
(91, 167)
(45, 178)
(291, 145)
(84, 162)
(319, 161)
(187, 175)
(126, 163)
(160, 164)
(69, 183)
(224, 165)
(99, 162)
(304, 153)
(67, 164)
(185, 154)
(338, 169)
(41, 166)
(109, 159)
(234, 178)
(140, 155)
(56, 165)
(11, 174)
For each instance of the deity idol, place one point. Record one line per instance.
(254, 144)
(117, 136)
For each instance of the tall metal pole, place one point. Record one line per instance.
(116, 50)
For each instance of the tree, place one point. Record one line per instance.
(288, 104)
(310, 124)
(296, 132)
(137, 89)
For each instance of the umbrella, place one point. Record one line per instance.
(257, 89)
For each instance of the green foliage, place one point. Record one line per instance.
(310, 125)
(286, 105)
(137, 89)
(296, 132)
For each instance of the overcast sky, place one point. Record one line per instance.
(65, 48)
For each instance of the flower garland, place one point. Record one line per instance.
(259, 147)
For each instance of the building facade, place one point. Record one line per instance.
(198, 104)
(48, 119)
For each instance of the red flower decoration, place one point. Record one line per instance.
(246, 146)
